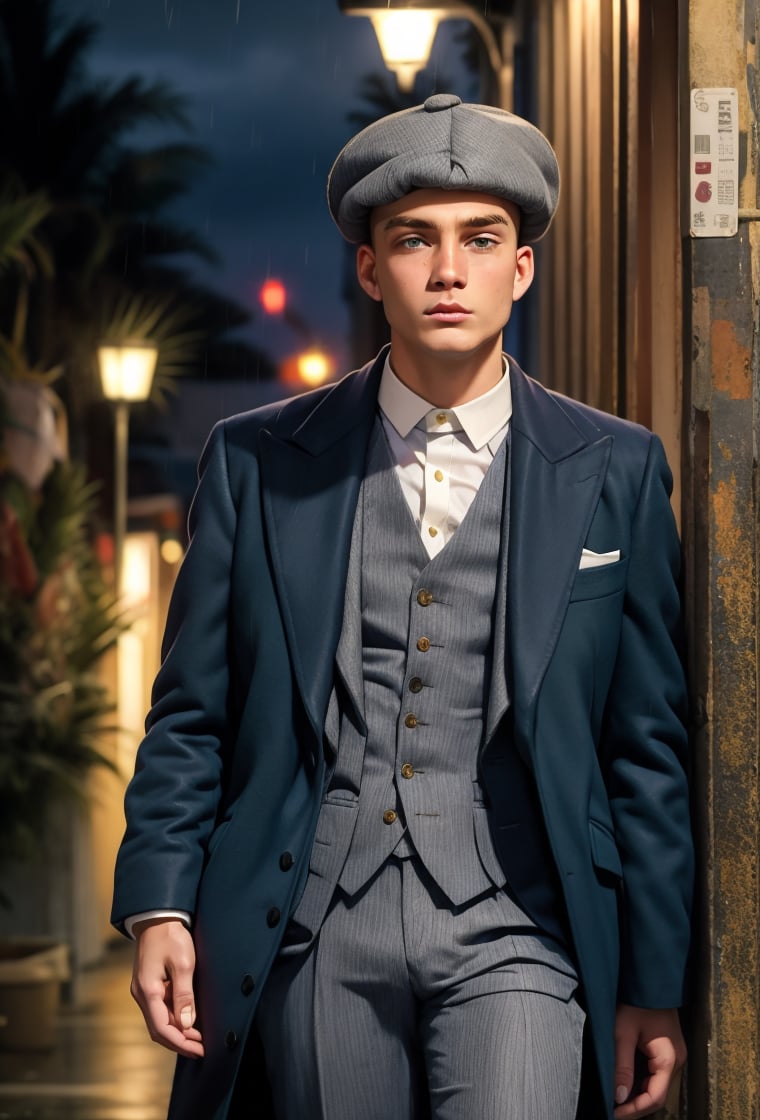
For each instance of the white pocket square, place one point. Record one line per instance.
(591, 559)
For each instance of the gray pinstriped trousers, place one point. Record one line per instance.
(403, 1006)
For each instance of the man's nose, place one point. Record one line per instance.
(449, 267)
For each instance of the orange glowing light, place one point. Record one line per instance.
(311, 368)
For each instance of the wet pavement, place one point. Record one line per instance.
(103, 1067)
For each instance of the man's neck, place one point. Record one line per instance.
(447, 379)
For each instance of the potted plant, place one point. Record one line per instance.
(57, 618)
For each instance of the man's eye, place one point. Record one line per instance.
(483, 242)
(412, 242)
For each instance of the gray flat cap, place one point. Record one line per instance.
(449, 145)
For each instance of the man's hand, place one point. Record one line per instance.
(657, 1036)
(162, 984)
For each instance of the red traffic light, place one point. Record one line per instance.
(273, 297)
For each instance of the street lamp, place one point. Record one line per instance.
(406, 28)
(310, 368)
(126, 375)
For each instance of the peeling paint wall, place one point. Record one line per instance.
(722, 544)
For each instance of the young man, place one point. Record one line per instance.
(411, 808)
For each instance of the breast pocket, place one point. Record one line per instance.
(595, 583)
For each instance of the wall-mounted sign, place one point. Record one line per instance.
(714, 163)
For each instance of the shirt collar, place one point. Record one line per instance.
(480, 418)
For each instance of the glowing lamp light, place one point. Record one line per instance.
(314, 368)
(126, 375)
(136, 572)
(406, 39)
(311, 368)
(405, 30)
(126, 371)
(273, 297)
(171, 551)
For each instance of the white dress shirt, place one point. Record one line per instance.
(442, 455)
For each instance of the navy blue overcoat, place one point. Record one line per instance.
(223, 806)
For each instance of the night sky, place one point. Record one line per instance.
(268, 87)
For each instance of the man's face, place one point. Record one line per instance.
(447, 267)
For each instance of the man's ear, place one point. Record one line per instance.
(523, 272)
(366, 271)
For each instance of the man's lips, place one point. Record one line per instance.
(448, 312)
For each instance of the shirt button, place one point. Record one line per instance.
(433, 531)
(441, 418)
(407, 770)
(390, 816)
(423, 644)
(286, 861)
(415, 685)
(273, 917)
(438, 476)
(424, 597)
(410, 720)
(247, 985)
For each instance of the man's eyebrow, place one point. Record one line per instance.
(402, 221)
(480, 221)
(483, 220)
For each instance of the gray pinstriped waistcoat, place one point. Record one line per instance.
(413, 669)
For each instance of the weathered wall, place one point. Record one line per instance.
(721, 536)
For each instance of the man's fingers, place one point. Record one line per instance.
(657, 1036)
(181, 966)
(650, 1100)
(625, 1054)
(162, 985)
(166, 1033)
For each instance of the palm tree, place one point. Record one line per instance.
(107, 232)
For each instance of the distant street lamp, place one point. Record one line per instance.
(314, 367)
(405, 30)
(126, 375)
(273, 297)
(311, 368)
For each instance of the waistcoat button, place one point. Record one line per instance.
(286, 861)
(423, 644)
(410, 720)
(247, 985)
(407, 770)
(230, 1040)
(389, 816)
(273, 917)
(424, 597)
(415, 685)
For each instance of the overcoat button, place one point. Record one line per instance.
(230, 1040)
(286, 861)
(248, 985)
(273, 917)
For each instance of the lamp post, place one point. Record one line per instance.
(406, 28)
(126, 375)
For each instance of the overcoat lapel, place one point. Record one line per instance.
(556, 476)
(310, 481)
